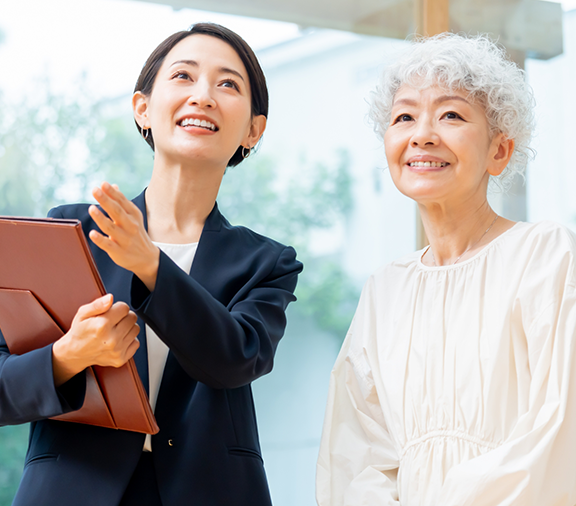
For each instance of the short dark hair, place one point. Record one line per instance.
(258, 88)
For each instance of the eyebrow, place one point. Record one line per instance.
(222, 70)
(439, 100)
(446, 98)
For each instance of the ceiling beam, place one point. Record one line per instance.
(431, 17)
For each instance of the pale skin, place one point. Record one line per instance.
(201, 77)
(449, 130)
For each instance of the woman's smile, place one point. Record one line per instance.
(425, 163)
(198, 124)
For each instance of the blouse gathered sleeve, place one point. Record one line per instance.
(223, 346)
(358, 463)
(536, 464)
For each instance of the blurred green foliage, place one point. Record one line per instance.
(53, 149)
(13, 443)
(42, 144)
(316, 198)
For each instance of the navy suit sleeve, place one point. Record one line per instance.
(223, 346)
(27, 390)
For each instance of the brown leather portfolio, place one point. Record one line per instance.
(46, 273)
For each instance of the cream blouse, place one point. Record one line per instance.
(456, 385)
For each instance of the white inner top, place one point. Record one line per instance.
(183, 256)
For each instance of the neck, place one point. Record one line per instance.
(457, 233)
(179, 198)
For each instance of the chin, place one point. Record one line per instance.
(422, 193)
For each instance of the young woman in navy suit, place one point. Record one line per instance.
(198, 303)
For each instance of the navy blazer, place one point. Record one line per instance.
(222, 323)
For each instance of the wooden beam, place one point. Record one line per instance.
(431, 18)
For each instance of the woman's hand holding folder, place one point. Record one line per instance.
(102, 333)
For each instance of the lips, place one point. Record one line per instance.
(425, 161)
(428, 164)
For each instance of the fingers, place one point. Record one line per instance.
(103, 307)
(123, 342)
(113, 192)
(102, 333)
(104, 222)
(95, 308)
(117, 313)
(113, 201)
(131, 350)
(105, 243)
(123, 226)
(127, 325)
(107, 197)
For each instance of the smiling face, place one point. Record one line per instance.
(439, 146)
(199, 109)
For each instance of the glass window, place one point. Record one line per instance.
(551, 177)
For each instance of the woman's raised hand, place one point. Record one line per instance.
(102, 333)
(123, 235)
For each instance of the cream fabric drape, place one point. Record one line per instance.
(456, 385)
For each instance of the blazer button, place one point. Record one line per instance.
(170, 442)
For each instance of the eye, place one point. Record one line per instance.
(403, 118)
(230, 83)
(180, 75)
(452, 115)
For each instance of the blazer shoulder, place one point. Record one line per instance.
(70, 211)
(74, 212)
(249, 237)
(257, 249)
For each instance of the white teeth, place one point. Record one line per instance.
(196, 122)
(428, 164)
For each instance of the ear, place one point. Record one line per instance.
(257, 128)
(140, 108)
(501, 149)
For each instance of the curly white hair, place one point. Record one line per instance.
(477, 65)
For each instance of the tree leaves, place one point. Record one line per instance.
(315, 199)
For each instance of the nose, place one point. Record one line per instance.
(424, 134)
(201, 95)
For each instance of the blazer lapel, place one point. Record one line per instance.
(141, 355)
(204, 256)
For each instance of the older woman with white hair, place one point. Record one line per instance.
(456, 384)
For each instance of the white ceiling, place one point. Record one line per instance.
(530, 26)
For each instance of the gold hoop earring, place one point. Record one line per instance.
(244, 153)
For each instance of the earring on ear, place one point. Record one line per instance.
(244, 153)
(144, 132)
